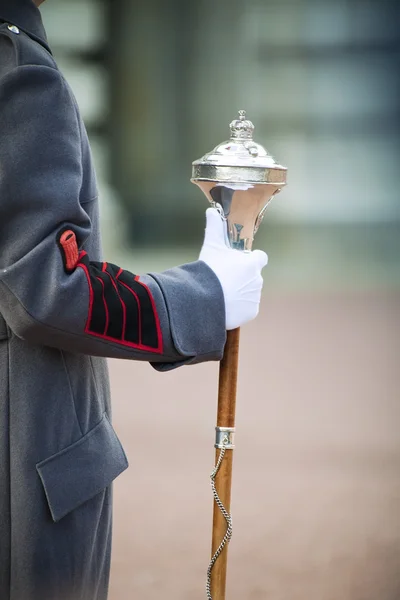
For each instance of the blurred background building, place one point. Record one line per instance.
(316, 495)
(158, 83)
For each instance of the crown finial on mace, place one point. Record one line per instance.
(242, 128)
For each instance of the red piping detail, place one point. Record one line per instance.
(84, 267)
(105, 306)
(138, 305)
(160, 347)
(106, 338)
(124, 343)
(120, 299)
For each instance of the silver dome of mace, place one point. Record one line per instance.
(240, 178)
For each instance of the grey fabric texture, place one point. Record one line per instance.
(60, 191)
(58, 450)
(3, 329)
(95, 459)
(184, 310)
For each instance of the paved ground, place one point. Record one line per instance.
(316, 497)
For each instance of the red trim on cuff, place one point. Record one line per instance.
(139, 346)
(138, 305)
(105, 306)
(120, 299)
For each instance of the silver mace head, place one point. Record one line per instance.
(239, 177)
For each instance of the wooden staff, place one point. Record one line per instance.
(223, 481)
(239, 178)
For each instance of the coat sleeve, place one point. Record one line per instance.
(51, 292)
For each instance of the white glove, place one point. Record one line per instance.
(238, 272)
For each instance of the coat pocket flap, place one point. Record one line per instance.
(82, 470)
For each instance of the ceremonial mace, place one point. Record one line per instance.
(239, 178)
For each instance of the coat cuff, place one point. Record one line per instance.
(195, 302)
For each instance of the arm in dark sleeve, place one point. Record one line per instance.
(85, 306)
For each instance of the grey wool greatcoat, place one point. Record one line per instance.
(62, 311)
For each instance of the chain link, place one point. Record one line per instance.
(228, 518)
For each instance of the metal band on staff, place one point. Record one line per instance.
(225, 437)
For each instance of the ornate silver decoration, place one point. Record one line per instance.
(242, 128)
(240, 176)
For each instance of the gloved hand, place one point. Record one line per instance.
(238, 272)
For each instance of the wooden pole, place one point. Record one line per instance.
(225, 418)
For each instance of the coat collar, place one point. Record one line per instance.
(25, 15)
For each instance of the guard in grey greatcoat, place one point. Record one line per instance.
(62, 310)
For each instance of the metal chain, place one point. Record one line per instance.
(228, 518)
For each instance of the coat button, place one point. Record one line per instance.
(13, 28)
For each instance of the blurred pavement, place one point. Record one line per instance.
(316, 498)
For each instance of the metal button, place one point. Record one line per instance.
(13, 28)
